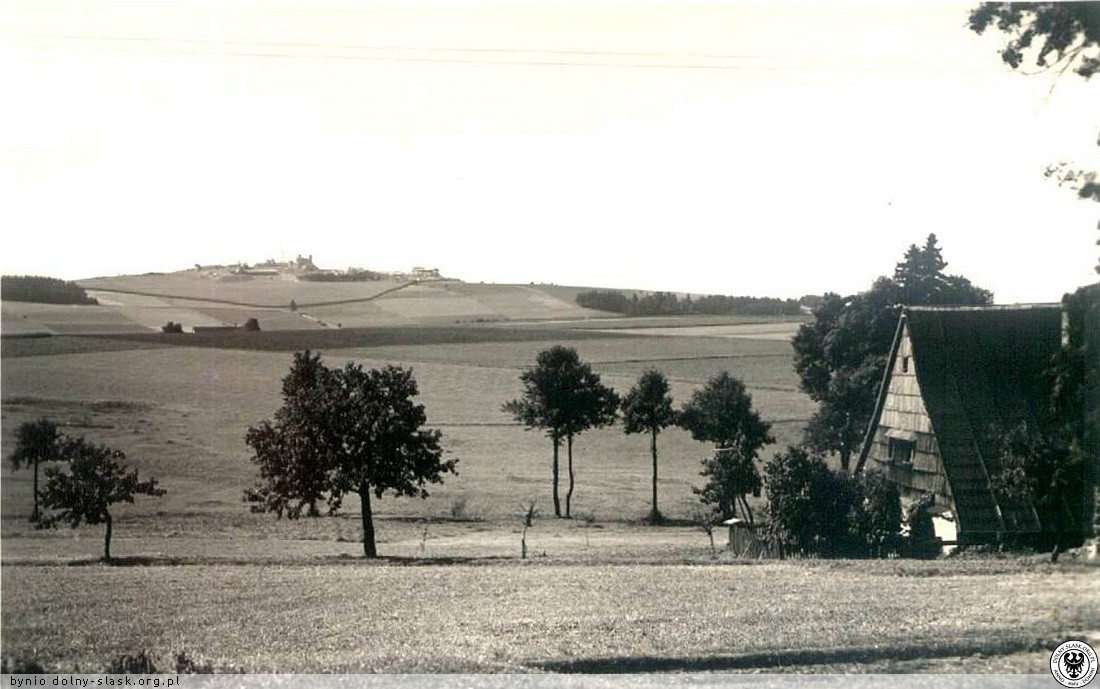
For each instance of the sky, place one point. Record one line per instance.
(733, 148)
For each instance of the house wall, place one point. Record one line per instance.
(904, 410)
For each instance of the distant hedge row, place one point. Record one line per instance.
(668, 304)
(42, 290)
(357, 276)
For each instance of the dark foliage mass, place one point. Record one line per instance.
(1054, 33)
(1052, 460)
(668, 304)
(172, 328)
(37, 442)
(815, 511)
(43, 290)
(351, 276)
(840, 356)
(564, 397)
(96, 479)
(340, 431)
(721, 413)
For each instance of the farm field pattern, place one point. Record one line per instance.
(199, 573)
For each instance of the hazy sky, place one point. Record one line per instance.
(734, 148)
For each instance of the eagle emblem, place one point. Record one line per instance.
(1073, 663)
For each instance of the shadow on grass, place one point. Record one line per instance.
(795, 658)
(342, 559)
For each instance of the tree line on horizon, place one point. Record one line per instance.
(669, 304)
(43, 290)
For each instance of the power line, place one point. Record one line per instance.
(465, 56)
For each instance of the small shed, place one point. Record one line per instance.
(954, 373)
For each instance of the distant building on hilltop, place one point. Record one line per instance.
(954, 374)
(304, 264)
(420, 274)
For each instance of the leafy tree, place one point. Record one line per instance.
(1036, 466)
(172, 328)
(1053, 33)
(290, 452)
(1056, 33)
(35, 442)
(252, 325)
(96, 480)
(564, 397)
(840, 356)
(647, 408)
(722, 413)
(350, 430)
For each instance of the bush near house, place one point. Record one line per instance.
(814, 511)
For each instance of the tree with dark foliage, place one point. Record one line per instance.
(722, 413)
(563, 397)
(1056, 33)
(289, 451)
(96, 479)
(346, 430)
(36, 442)
(647, 408)
(840, 356)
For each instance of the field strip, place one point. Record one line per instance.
(250, 305)
(708, 357)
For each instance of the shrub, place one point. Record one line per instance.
(186, 665)
(922, 541)
(252, 325)
(140, 664)
(174, 328)
(815, 511)
(22, 666)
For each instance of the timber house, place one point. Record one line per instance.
(954, 374)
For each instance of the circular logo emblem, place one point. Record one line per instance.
(1073, 664)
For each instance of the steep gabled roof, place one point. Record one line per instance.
(980, 367)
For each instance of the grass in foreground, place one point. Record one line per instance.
(539, 616)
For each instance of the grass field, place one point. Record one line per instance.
(385, 617)
(241, 289)
(197, 572)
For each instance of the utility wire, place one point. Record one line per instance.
(453, 56)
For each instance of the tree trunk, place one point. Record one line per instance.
(845, 445)
(746, 509)
(557, 501)
(369, 549)
(656, 515)
(34, 512)
(569, 494)
(107, 539)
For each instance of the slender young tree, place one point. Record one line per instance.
(647, 408)
(563, 397)
(96, 479)
(722, 413)
(36, 442)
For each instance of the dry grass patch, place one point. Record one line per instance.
(380, 617)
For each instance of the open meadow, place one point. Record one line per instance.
(196, 572)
